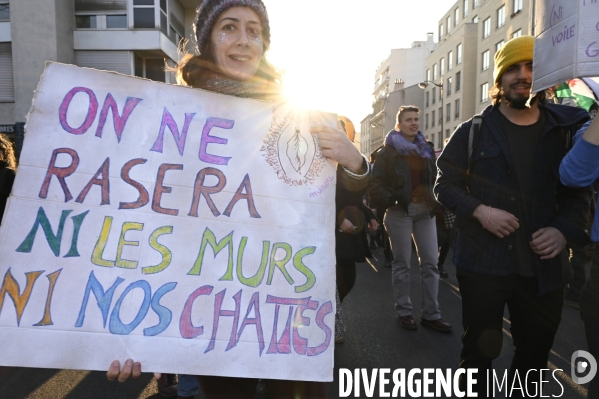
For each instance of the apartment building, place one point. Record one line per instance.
(133, 37)
(395, 84)
(459, 72)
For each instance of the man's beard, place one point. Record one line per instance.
(516, 102)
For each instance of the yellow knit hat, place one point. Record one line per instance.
(514, 51)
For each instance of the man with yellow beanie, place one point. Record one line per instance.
(513, 217)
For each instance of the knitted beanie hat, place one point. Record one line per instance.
(210, 10)
(514, 51)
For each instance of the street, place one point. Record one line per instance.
(373, 340)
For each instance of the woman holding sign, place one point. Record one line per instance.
(232, 38)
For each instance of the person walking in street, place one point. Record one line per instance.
(513, 217)
(580, 168)
(402, 178)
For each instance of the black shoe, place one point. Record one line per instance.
(407, 322)
(438, 325)
(442, 272)
(167, 385)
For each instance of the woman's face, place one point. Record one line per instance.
(409, 124)
(237, 44)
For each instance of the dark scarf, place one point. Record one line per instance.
(258, 89)
(420, 147)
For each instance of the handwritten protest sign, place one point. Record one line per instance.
(188, 230)
(566, 42)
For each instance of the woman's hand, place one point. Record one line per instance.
(347, 227)
(335, 145)
(373, 225)
(130, 369)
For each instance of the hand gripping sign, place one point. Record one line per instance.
(188, 230)
(566, 41)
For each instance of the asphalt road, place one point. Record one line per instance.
(374, 339)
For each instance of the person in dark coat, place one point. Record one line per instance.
(8, 166)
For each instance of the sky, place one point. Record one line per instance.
(330, 49)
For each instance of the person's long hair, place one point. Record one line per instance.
(7, 154)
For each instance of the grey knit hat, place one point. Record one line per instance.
(210, 10)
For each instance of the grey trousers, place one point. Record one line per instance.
(401, 226)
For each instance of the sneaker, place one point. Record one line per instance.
(438, 325)
(407, 322)
(167, 386)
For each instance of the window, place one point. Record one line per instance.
(143, 14)
(474, 4)
(163, 18)
(456, 16)
(499, 45)
(449, 60)
(434, 71)
(517, 6)
(433, 138)
(440, 32)
(116, 21)
(434, 95)
(440, 143)
(457, 108)
(517, 33)
(440, 116)
(428, 74)
(150, 68)
(501, 16)
(484, 92)
(433, 119)
(426, 121)
(85, 21)
(485, 63)
(447, 86)
(427, 98)
(459, 54)
(7, 89)
(447, 134)
(486, 27)
(442, 67)
(4, 11)
(448, 112)
(112, 21)
(458, 81)
(440, 95)
(475, 19)
(448, 24)
(465, 8)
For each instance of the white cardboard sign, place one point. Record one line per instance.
(566, 41)
(188, 230)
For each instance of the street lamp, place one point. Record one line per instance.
(423, 85)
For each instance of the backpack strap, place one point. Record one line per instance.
(473, 138)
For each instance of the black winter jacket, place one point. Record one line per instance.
(392, 181)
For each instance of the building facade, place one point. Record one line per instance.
(133, 37)
(459, 72)
(401, 72)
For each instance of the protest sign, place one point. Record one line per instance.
(566, 41)
(188, 230)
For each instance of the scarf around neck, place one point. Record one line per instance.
(420, 147)
(258, 89)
